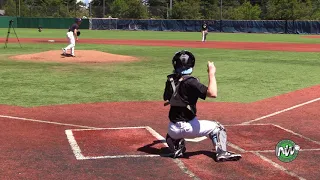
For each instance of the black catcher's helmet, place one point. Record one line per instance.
(183, 60)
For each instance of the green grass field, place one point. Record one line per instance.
(243, 76)
(243, 37)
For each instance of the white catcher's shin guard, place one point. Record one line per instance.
(219, 138)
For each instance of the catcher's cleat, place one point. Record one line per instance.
(179, 152)
(176, 146)
(227, 156)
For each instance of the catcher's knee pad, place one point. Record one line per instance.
(175, 144)
(219, 137)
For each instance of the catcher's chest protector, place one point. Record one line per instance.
(176, 99)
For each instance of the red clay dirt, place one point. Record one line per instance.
(93, 142)
(311, 36)
(37, 143)
(292, 47)
(82, 56)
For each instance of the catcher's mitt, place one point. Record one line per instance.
(78, 33)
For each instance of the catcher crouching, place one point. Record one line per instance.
(182, 92)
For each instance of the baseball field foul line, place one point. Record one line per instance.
(177, 161)
(282, 111)
(278, 166)
(272, 151)
(297, 134)
(42, 121)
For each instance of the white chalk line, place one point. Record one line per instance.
(281, 111)
(177, 161)
(280, 127)
(276, 165)
(79, 156)
(257, 153)
(95, 128)
(117, 157)
(77, 151)
(273, 151)
(74, 145)
(42, 121)
(297, 134)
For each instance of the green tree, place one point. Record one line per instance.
(315, 12)
(186, 9)
(10, 8)
(305, 10)
(128, 9)
(97, 7)
(246, 12)
(287, 9)
(24, 9)
(228, 8)
(119, 8)
(210, 9)
(157, 8)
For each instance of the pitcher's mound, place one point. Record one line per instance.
(82, 56)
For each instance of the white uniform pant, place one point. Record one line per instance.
(204, 35)
(72, 42)
(199, 128)
(192, 129)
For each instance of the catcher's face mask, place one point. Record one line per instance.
(183, 60)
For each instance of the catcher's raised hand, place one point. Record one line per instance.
(211, 68)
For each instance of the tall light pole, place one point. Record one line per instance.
(220, 15)
(104, 8)
(220, 9)
(19, 8)
(170, 8)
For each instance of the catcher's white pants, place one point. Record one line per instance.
(72, 42)
(204, 35)
(199, 128)
(192, 129)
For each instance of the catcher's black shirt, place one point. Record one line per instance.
(73, 27)
(190, 90)
(204, 27)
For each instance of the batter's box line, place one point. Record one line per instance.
(268, 151)
(78, 153)
(280, 127)
(79, 156)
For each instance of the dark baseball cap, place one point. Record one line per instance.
(78, 20)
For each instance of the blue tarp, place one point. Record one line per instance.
(229, 26)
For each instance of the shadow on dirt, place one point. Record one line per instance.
(165, 151)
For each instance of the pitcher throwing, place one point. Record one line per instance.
(72, 35)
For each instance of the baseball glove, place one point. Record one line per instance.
(78, 33)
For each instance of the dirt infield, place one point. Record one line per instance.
(291, 47)
(82, 56)
(37, 137)
(311, 36)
